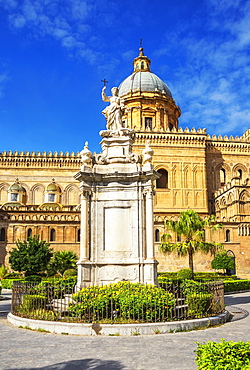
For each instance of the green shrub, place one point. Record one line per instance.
(3, 271)
(70, 272)
(7, 283)
(166, 280)
(33, 302)
(56, 288)
(192, 286)
(185, 274)
(223, 355)
(199, 304)
(33, 278)
(123, 301)
(236, 285)
(222, 261)
(169, 275)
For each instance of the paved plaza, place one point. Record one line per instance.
(24, 349)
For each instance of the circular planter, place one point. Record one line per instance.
(117, 329)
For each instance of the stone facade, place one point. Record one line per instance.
(200, 172)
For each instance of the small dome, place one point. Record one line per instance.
(16, 187)
(144, 81)
(53, 187)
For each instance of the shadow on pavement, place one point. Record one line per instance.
(234, 300)
(85, 364)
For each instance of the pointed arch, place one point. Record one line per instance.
(162, 182)
(37, 194)
(239, 170)
(4, 193)
(157, 235)
(72, 194)
(52, 237)
(244, 202)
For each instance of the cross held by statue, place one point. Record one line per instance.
(104, 82)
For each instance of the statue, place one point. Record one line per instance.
(147, 153)
(113, 112)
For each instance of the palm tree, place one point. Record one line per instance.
(62, 261)
(192, 228)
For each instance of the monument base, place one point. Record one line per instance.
(92, 273)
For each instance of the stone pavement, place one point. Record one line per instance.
(24, 349)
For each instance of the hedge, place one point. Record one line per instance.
(7, 283)
(236, 285)
(223, 356)
(199, 304)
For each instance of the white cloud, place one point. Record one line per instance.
(212, 86)
(63, 21)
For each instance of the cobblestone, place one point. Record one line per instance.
(24, 349)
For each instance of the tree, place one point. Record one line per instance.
(62, 261)
(30, 256)
(222, 261)
(191, 227)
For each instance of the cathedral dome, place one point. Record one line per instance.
(143, 81)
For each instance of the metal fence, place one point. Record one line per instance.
(122, 302)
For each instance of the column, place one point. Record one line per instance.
(84, 250)
(149, 224)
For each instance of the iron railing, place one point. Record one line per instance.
(171, 301)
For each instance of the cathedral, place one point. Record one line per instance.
(40, 196)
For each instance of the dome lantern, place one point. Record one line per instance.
(141, 63)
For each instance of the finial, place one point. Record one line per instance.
(53, 180)
(141, 49)
(104, 82)
(17, 180)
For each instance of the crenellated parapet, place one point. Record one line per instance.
(174, 136)
(40, 159)
(229, 144)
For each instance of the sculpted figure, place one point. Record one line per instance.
(113, 112)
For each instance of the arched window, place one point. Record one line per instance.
(142, 65)
(79, 235)
(178, 238)
(148, 122)
(29, 233)
(157, 235)
(227, 236)
(222, 177)
(52, 235)
(239, 173)
(162, 182)
(2, 234)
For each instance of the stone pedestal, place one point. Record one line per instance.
(116, 214)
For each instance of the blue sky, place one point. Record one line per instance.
(54, 54)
